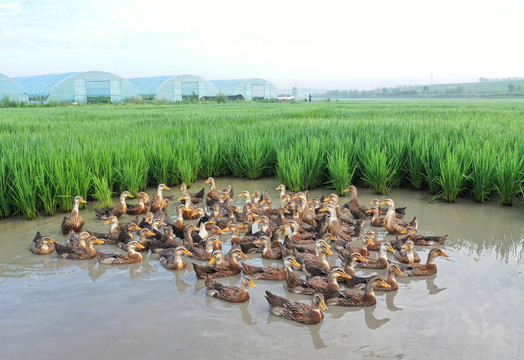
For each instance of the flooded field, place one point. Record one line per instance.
(471, 309)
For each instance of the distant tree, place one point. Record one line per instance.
(385, 91)
(294, 92)
(425, 89)
(511, 87)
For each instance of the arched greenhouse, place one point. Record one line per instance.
(78, 87)
(11, 90)
(174, 88)
(250, 89)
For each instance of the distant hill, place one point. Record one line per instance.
(511, 88)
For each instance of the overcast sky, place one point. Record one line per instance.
(328, 44)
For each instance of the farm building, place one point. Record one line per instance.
(78, 87)
(10, 89)
(249, 88)
(173, 88)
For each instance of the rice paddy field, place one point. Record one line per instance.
(448, 148)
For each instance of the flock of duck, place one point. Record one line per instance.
(300, 232)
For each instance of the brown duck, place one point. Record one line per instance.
(297, 311)
(75, 221)
(115, 210)
(229, 293)
(140, 208)
(159, 202)
(42, 245)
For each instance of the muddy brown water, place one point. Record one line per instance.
(472, 309)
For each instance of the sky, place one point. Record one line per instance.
(329, 44)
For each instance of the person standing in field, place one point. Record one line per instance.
(305, 97)
(309, 97)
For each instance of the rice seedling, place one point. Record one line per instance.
(376, 170)
(509, 177)
(447, 147)
(483, 173)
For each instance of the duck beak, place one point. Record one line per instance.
(140, 246)
(138, 228)
(257, 241)
(333, 238)
(257, 220)
(241, 254)
(210, 222)
(207, 181)
(221, 231)
(444, 254)
(369, 211)
(329, 252)
(51, 241)
(286, 211)
(286, 232)
(150, 233)
(295, 197)
(277, 188)
(385, 284)
(167, 188)
(382, 203)
(194, 214)
(323, 305)
(310, 202)
(83, 201)
(347, 276)
(251, 284)
(219, 242)
(181, 198)
(212, 258)
(404, 232)
(363, 259)
(98, 241)
(241, 195)
(391, 249)
(263, 202)
(371, 203)
(295, 264)
(253, 195)
(405, 246)
(398, 272)
(347, 190)
(107, 222)
(188, 252)
(322, 210)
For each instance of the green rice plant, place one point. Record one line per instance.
(454, 170)
(213, 155)
(44, 186)
(251, 156)
(5, 209)
(415, 163)
(484, 163)
(23, 194)
(133, 172)
(341, 165)
(64, 183)
(396, 154)
(376, 170)
(509, 177)
(301, 166)
(188, 161)
(432, 155)
(79, 171)
(102, 191)
(161, 159)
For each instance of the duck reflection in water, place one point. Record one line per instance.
(371, 321)
(431, 286)
(314, 330)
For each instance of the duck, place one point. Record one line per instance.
(172, 258)
(159, 202)
(318, 265)
(333, 200)
(306, 215)
(407, 255)
(224, 269)
(140, 208)
(229, 293)
(115, 210)
(349, 264)
(89, 252)
(204, 253)
(130, 258)
(422, 240)
(355, 207)
(270, 272)
(381, 262)
(111, 237)
(42, 245)
(283, 194)
(297, 311)
(392, 224)
(191, 210)
(179, 222)
(300, 238)
(355, 297)
(75, 240)
(196, 198)
(75, 221)
(223, 202)
(345, 249)
(125, 236)
(335, 227)
(147, 221)
(316, 284)
(376, 220)
(143, 235)
(429, 268)
(213, 191)
(393, 270)
(400, 212)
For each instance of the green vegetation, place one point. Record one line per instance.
(449, 148)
